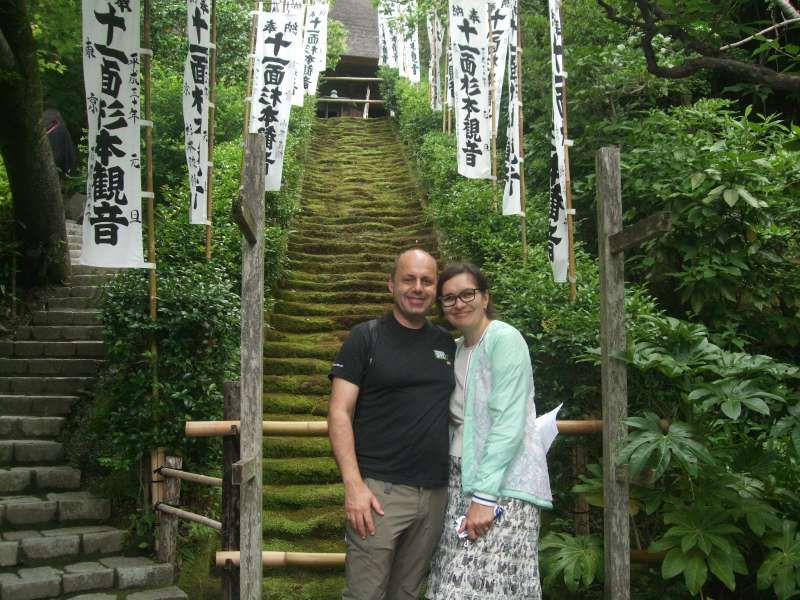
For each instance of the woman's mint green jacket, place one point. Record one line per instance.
(501, 452)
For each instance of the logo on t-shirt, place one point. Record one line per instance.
(441, 355)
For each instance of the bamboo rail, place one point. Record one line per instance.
(188, 516)
(320, 428)
(287, 559)
(186, 476)
(333, 559)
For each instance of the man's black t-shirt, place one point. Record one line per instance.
(401, 417)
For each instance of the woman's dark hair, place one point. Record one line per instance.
(454, 269)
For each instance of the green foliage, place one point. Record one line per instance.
(7, 246)
(781, 569)
(574, 561)
(337, 43)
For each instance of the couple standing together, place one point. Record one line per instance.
(427, 430)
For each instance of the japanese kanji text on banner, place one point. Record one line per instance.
(195, 107)
(512, 193)
(315, 44)
(278, 37)
(469, 33)
(558, 240)
(112, 224)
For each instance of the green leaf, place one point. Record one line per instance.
(673, 564)
(748, 197)
(697, 180)
(731, 196)
(721, 566)
(696, 572)
(731, 408)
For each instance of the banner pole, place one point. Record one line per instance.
(572, 269)
(212, 113)
(147, 64)
(523, 224)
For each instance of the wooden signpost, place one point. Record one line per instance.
(612, 242)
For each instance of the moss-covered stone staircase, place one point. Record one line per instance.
(359, 209)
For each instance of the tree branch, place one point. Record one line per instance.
(613, 15)
(789, 11)
(762, 32)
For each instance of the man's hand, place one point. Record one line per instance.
(359, 502)
(478, 520)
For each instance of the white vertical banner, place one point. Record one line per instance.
(299, 10)
(410, 43)
(384, 35)
(469, 37)
(195, 106)
(112, 223)
(512, 192)
(277, 39)
(557, 241)
(315, 45)
(499, 23)
(435, 41)
(396, 50)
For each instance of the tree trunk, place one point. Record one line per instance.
(34, 182)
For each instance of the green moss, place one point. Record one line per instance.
(282, 366)
(300, 470)
(317, 309)
(300, 496)
(285, 447)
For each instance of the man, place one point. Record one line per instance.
(388, 423)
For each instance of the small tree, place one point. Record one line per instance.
(35, 187)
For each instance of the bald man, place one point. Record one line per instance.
(388, 423)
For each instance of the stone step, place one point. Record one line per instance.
(49, 366)
(28, 452)
(313, 229)
(362, 222)
(41, 406)
(338, 298)
(339, 281)
(307, 385)
(55, 333)
(136, 578)
(22, 427)
(72, 303)
(80, 280)
(342, 257)
(67, 317)
(274, 349)
(296, 366)
(69, 507)
(87, 270)
(65, 543)
(340, 267)
(303, 281)
(88, 291)
(20, 480)
(301, 324)
(284, 307)
(43, 386)
(34, 349)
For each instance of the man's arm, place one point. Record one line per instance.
(359, 501)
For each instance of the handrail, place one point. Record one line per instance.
(188, 516)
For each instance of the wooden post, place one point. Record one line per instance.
(168, 524)
(212, 129)
(614, 382)
(230, 492)
(147, 66)
(251, 197)
(157, 460)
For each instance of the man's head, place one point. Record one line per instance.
(413, 286)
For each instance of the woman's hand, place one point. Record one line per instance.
(478, 520)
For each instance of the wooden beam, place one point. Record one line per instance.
(168, 522)
(363, 79)
(244, 471)
(320, 428)
(348, 100)
(244, 219)
(640, 232)
(230, 492)
(252, 366)
(616, 522)
(187, 516)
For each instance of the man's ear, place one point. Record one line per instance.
(390, 284)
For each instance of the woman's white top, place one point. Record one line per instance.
(457, 401)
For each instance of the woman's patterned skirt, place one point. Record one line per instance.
(501, 565)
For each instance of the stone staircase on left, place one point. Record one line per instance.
(54, 538)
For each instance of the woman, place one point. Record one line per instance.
(496, 458)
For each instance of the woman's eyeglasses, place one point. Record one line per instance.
(465, 296)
